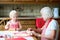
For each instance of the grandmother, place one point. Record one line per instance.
(51, 28)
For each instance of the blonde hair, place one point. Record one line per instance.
(46, 12)
(12, 13)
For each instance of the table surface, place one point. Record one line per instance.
(9, 33)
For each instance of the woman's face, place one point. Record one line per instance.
(46, 13)
(44, 17)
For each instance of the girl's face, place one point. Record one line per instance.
(14, 17)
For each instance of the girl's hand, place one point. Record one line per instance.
(29, 29)
(6, 28)
(17, 29)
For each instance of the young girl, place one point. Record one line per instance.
(13, 24)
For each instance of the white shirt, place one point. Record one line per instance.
(53, 25)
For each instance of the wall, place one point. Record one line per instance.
(24, 9)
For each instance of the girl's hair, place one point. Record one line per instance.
(47, 12)
(12, 13)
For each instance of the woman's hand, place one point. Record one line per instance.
(36, 34)
(38, 30)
